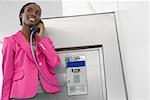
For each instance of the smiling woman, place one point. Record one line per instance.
(21, 78)
(30, 15)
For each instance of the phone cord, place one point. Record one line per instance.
(40, 71)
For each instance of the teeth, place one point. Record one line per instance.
(32, 19)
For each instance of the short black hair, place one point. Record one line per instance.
(23, 8)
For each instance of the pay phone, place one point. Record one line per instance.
(76, 75)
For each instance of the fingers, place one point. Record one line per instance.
(41, 26)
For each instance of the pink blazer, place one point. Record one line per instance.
(20, 75)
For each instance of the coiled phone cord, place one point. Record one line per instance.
(42, 74)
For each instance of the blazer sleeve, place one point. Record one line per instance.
(7, 68)
(47, 48)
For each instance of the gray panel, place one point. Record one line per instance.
(95, 77)
(96, 29)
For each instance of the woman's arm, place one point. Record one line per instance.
(47, 48)
(7, 68)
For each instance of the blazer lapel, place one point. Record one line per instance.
(24, 44)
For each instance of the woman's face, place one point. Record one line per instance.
(31, 15)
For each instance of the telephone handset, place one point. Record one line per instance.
(35, 29)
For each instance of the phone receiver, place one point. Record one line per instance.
(35, 29)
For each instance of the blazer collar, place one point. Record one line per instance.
(19, 37)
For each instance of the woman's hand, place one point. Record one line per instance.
(42, 30)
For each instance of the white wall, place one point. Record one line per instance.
(132, 23)
(132, 20)
(11, 8)
(80, 7)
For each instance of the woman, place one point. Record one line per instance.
(20, 73)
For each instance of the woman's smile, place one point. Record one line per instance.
(32, 19)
